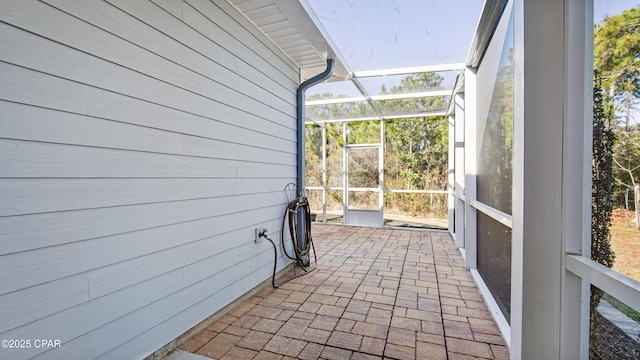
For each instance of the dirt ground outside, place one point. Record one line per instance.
(625, 242)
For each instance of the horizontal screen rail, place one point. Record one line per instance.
(316, 121)
(421, 94)
(615, 284)
(497, 215)
(335, 188)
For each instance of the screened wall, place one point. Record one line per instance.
(494, 179)
(377, 148)
(523, 135)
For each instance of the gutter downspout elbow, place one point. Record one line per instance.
(301, 120)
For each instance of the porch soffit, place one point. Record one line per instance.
(295, 29)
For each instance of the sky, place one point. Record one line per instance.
(382, 34)
(608, 8)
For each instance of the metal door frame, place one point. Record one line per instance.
(355, 216)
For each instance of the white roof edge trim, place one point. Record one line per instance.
(409, 70)
(458, 88)
(492, 11)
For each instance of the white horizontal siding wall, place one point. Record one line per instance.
(141, 143)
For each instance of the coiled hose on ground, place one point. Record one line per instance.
(297, 214)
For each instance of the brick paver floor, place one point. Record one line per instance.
(377, 293)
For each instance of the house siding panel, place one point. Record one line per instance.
(141, 143)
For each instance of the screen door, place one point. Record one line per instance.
(363, 191)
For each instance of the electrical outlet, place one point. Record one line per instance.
(258, 238)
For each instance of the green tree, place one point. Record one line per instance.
(313, 155)
(420, 149)
(617, 61)
(419, 82)
(617, 58)
(602, 191)
(627, 165)
(419, 145)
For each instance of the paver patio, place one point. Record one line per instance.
(377, 293)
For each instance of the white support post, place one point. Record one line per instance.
(459, 171)
(517, 197)
(381, 170)
(451, 186)
(470, 166)
(345, 175)
(537, 179)
(549, 187)
(324, 173)
(577, 159)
